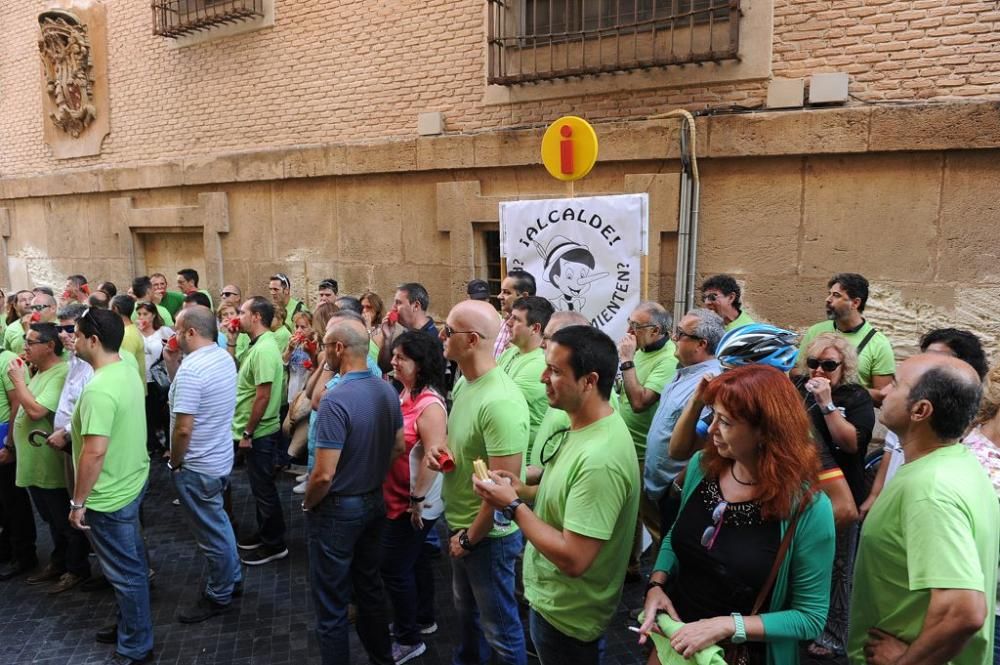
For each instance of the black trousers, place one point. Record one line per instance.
(18, 520)
(70, 546)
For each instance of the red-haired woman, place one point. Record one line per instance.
(741, 495)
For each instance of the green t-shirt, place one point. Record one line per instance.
(134, 344)
(489, 418)
(653, 371)
(242, 346)
(168, 319)
(172, 301)
(281, 338)
(933, 527)
(373, 351)
(553, 421)
(590, 487)
(291, 307)
(13, 338)
(6, 385)
(112, 405)
(742, 320)
(262, 364)
(40, 467)
(526, 370)
(876, 359)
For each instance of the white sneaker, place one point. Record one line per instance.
(302, 478)
(402, 653)
(300, 488)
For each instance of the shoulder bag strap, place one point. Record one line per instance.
(782, 552)
(864, 342)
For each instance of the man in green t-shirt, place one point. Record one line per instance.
(721, 294)
(17, 517)
(112, 469)
(142, 289)
(845, 303)
(647, 365)
(524, 360)
(132, 341)
(256, 425)
(40, 468)
(925, 576)
(580, 530)
(170, 300)
(488, 421)
(281, 295)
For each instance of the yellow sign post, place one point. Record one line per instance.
(569, 148)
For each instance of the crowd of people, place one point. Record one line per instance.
(552, 453)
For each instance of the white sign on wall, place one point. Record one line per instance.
(584, 253)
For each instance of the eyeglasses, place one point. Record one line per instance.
(632, 325)
(30, 342)
(711, 532)
(826, 365)
(562, 434)
(710, 297)
(38, 308)
(449, 331)
(680, 332)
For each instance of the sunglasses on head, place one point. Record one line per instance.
(281, 277)
(826, 365)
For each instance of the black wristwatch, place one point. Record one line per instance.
(464, 542)
(627, 365)
(654, 583)
(511, 508)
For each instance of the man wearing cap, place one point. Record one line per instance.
(569, 266)
(280, 287)
(478, 289)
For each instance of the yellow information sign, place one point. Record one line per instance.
(569, 148)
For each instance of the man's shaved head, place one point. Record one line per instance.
(478, 316)
(352, 334)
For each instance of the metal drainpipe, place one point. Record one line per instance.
(687, 226)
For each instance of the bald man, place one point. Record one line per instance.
(488, 421)
(359, 430)
(925, 576)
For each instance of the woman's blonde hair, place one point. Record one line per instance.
(223, 307)
(848, 355)
(989, 405)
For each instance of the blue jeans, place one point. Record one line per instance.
(344, 534)
(260, 471)
(996, 642)
(117, 539)
(201, 498)
(483, 587)
(556, 648)
(408, 575)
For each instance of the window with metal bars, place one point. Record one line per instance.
(175, 18)
(535, 40)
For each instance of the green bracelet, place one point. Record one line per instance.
(740, 636)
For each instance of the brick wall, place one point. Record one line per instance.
(348, 71)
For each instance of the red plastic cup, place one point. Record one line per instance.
(35, 317)
(234, 324)
(446, 463)
(66, 295)
(393, 317)
(172, 343)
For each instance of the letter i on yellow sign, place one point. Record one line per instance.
(569, 148)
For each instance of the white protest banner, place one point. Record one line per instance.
(584, 253)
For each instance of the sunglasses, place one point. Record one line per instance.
(680, 333)
(711, 532)
(38, 308)
(226, 294)
(68, 329)
(281, 277)
(826, 365)
(632, 325)
(710, 297)
(449, 331)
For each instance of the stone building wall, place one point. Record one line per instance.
(337, 71)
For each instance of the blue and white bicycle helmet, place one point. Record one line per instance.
(758, 344)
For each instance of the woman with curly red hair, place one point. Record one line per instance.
(746, 567)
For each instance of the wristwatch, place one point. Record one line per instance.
(170, 465)
(829, 408)
(76, 506)
(627, 365)
(247, 435)
(740, 634)
(511, 508)
(464, 542)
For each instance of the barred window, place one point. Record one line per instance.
(536, 40)
(175, 18)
